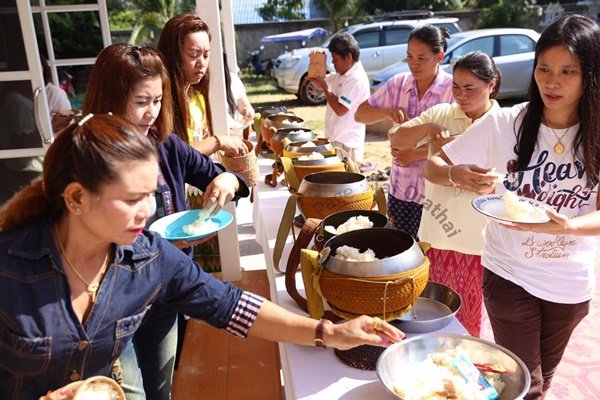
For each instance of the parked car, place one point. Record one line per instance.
(513, 50)
(382, 43)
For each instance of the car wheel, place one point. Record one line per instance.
(310, 94)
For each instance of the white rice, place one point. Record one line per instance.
(352, 224)
(348, 253)
(288, 122)
(309, 144)
(435, 379)
(200, 227)
(519, 210)
(312, 156)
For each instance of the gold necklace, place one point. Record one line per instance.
(559, 147)
(92, 287)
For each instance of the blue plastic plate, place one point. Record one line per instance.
(171, 226)
(492, 205)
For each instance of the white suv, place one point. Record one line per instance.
(382, 43)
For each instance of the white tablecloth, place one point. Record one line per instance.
(308, 372)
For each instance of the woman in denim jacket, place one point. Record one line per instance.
(78, 272)
(132, 82)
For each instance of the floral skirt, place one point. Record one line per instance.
(463, 273)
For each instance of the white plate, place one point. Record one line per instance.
(171, 226)
(492, 205)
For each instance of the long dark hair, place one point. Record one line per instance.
(483, 67)
(93, 153)
(117, 69)
(581, 36)
(170, 45)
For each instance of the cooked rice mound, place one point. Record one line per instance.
(349, 253)
(435, 378)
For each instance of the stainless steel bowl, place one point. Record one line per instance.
(326, 160)
(321, 145)
(397, 252)
(333, 184)
(435, 308)
(401, 357)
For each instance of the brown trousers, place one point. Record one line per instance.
(537, 331)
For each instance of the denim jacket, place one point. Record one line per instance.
(43, 346)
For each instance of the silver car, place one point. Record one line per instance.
(381, 44)
(513, 50)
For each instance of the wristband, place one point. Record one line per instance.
(218, 142)
(450, 176)
(319, 341)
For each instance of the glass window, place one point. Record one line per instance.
(19, 130)
(74, 80)
(450, 26)
(12, 49)
(515, 44)
(69, 2)
(75, 34)
(485, 44)
(396, 36)
(367, 39)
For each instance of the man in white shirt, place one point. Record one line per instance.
(345, 90)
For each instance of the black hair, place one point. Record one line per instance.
(433, 36)
(343, 44)
(581, 36)
(483, 67)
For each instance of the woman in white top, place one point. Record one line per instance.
(454, 231)
(539, 278)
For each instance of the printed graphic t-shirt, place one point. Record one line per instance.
(553, 267)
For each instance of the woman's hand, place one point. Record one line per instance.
(559, 223)
(220, 191)
(362, 330)
(398, 115)
(232, 146)
(473, 178)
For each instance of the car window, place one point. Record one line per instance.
(450, 26)
(515, 44)
(484, 44)
(367, 39)
(396, 36)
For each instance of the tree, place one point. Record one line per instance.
(154, 15)
(281, 10)
(514, 13)
(340, 11)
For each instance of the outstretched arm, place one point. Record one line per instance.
(277, 324)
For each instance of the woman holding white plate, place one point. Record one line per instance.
(539, 278)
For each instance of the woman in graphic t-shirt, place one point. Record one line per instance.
(539, 278)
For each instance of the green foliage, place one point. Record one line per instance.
(510, 13)
(124, 19)
(281, 10)
(340, 11)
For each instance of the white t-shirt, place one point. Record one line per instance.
(446, 223)
(351, 89)
(58, 100)
(557, 267)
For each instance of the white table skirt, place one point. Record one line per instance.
(308, 372)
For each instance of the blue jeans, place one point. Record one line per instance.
(151, 357)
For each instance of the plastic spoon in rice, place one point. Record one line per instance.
(206, 212)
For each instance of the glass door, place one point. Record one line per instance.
(69, 36)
